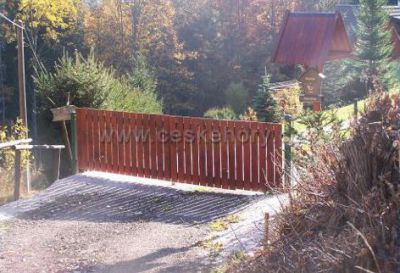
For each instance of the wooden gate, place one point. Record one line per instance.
(222, 154)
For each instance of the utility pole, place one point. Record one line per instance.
(21, 75)
(22, 91)
(21, 83)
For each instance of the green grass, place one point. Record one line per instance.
(346, 112)
(343, 113)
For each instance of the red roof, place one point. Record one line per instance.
(312, 39)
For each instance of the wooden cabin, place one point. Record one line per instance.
(312, 39)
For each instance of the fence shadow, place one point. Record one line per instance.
(103, 200)
(157, 260)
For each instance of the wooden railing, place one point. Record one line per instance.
(223, 154)
(23, 144)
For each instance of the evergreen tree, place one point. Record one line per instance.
(143, 77)
(373, 49)
(264, 103)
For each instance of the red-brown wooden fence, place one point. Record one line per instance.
(223, 154)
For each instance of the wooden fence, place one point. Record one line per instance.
(223, 154)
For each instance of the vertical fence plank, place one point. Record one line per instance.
(173, 149)
(102, 146)
(127, 144)
(115, 150)
(255, 183)
(216, 131)
(239, 156)
(209, 147)
(166, 140)
(231, 138)
(146, 143)
(90, 140)
(96, 142)
(187, 138)
(195, 146)
(153, 146)
(120, 141)
(159, 147)
(82, 138)
(263, 155)
(108, 140)
(246, 155)
(202, 152)
(180, 150)
(224, 155)
(132, 145)
(230, 146)
(140, 144)
(278, 156)
(270, 158)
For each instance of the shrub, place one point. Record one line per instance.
(249, 115)
(321, 127)
(142, 77)
(91, 84)
(225, 113)
(237, 97)
(344, 212)
(126, 98)
(87, 81)
(264, 103)
(7, 157)
(288, 101)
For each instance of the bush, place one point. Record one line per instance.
(87, 81)
(125, 98)
(288, 101)
(249, 115)
(143, 77)
(321, 127)
(237, 97)
(264, 104)
(7, 157)
(225, 113)
(344, 212)
(91, 84)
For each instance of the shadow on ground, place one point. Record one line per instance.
(154, 261)
(103, 200)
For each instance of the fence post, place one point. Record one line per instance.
(288, 149)
(57, 161)
(355, 105)
(17, 174)
(74, 143)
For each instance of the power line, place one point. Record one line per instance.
(40, 64)
(10, 21)
(27, 37)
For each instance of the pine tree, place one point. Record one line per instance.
(374, 46)
(264, 103)
(143, 77)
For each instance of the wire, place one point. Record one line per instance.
(10, 21)
(33, 51)
(27, 37)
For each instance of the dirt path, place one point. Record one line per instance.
(91, 224)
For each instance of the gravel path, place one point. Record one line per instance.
(108, 223)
